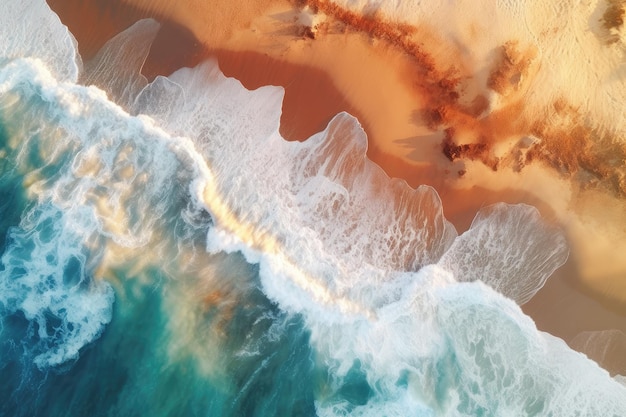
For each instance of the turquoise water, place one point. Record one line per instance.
(165, 252)
(236, 354)
(131, 370)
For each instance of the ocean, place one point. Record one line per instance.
(165, 252)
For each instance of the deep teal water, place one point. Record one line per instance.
(131, 369)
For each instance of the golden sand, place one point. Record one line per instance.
(434, 114)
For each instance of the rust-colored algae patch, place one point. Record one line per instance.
(473, 123)
(593, 159)
(574, 148)
(512, 66)
(613, 17)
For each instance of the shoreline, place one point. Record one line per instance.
(565, 306)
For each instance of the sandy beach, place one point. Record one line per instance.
(423, 102)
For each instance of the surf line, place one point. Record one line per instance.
(226, 224)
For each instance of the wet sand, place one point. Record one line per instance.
(342, 67)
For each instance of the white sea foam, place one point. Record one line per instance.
(510, 249)
(101, 183)
(330, 194)
(47, 275)
(309, 201)
(107, 179)
(605, 347)
(116, 67)
(29, 29)
(460, 349)
(337, 241)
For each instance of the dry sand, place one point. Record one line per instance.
(414, 88)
